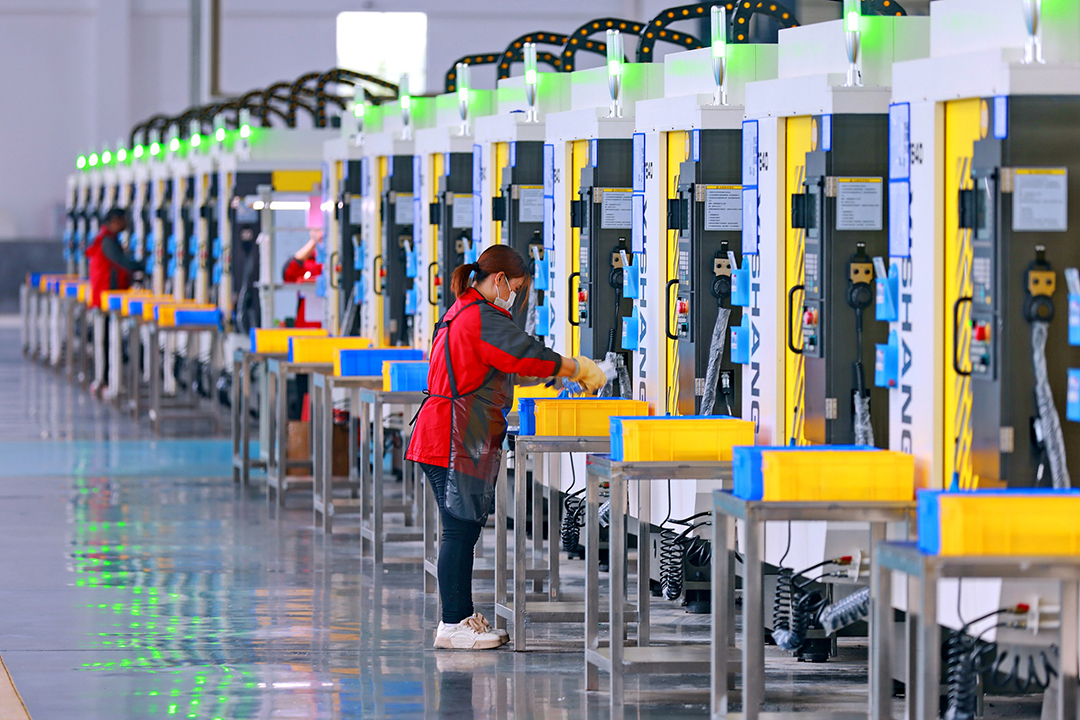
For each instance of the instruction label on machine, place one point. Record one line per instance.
(723, 207)
(403, 209)
(531, 203)
(1040, 199)
(616, 209)
(461, 215)
(859, 203)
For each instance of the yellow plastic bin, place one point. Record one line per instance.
(321, 349)
(838, 475)
(1012, 522)
(275, 341)
(690, 438)
(581, 417)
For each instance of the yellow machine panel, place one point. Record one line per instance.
(798, 142)
(675, 153)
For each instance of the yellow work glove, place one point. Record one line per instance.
(589, 374)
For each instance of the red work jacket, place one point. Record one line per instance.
(486, 349)
(104, 273)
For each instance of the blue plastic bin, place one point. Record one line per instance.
(408, 376)
(198, 317)
(368, 363)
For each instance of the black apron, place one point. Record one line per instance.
(477, 431)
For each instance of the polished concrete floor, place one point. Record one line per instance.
(136, 581)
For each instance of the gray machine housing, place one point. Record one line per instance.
(453, 238)
(397, 237)
(1005, 448)
(834, 264)
(704, 272)
(601, 305)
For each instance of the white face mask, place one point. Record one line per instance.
(508, 303)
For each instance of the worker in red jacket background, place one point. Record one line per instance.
(476, 351)
(110, 268)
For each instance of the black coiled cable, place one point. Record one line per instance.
(794, 609)
(967, 658)
(676, 548)
(572, 522)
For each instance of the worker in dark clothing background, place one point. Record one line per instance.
(110, 268)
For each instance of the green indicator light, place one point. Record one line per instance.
(81, 162)
(93, 159)
(359, 109)
(121, 155)
(245, 131)
(406, 102)
(106, 157)
(196, 140)
(219, 135)
(174, 145)
(155, 148)
(530, 77)
(614, 67)
(851, 21)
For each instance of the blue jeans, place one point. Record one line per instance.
(455, 554)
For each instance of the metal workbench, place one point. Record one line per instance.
(754, 514)
(242, 364)
(368, 404)
(192, 407)
(923, 671)
(325, 507)
(278, 464)
(522, 611)
(617, 659)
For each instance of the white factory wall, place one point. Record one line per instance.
(80, 73)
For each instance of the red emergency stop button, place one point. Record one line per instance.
(438, 281)
(382, 272)
(682, 307)
(810, 317)
(582, 296)
(982, 332)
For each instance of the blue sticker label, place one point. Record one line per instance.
(639, 162)
(637, 222)
(826, 132)
(513, 154)
(749, 155)
(594, 152)
(1001, 117)
(899, 141)
(750, 221)
(696, 149)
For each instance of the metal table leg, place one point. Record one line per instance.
(537, 515)
(1067, 684)
(644, 597)
(541, 467)
(592, 575)
(723, 593)
(322, 428)
(502, 490)
(928, 678)
(367, 463)
(753, 652)
(617, 590)
(521, 487)
(155, 379)
(880, 632)
(377, 485)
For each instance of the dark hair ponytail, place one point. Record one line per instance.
(496, 259)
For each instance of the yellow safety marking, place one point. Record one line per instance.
(799, 140)
(298, 181)
(376, 248)
(677, 153)
(579, 159)
(501, 151)
(436, 171)
(12, 706)
(962, 130)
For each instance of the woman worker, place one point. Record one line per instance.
(475, 352)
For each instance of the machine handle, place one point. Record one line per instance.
(791, 313)
(667, 309)
(569, 298)
(432, 291)
(376, 281)
(956, 333)
(332, 271)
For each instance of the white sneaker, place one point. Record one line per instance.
(472, 633)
